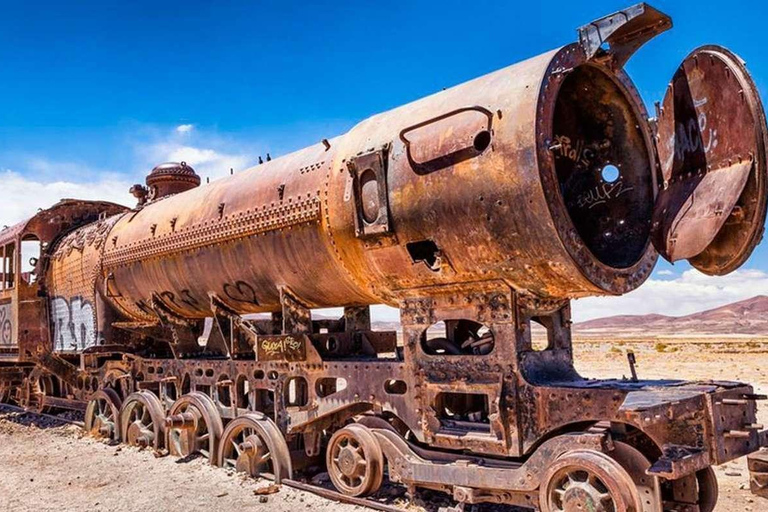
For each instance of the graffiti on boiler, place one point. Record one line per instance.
(73, 323)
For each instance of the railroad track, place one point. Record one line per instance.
(337, 496)
(14, 408)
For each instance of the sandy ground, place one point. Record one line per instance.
(54, 468)
(46, 466)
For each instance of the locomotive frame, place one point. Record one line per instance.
(480, 412)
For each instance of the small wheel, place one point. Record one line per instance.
(355, 461)
(102, 416)
(253, 444)
(142, 420)
(708, 489)
(586, 480)
(193, 425)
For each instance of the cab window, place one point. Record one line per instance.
(30, 254)
(9, 265)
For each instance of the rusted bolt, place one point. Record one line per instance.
(247, 447)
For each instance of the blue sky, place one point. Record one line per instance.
(92, 94)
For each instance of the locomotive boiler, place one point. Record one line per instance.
(185, 323)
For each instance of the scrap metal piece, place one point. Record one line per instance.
(757, 464)
(625, 31)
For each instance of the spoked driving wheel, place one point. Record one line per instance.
(582, 481)
(193, 426)
(355, 461)
(253, 444)
(102, 416)
(142, 420)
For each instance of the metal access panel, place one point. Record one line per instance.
(7, 339)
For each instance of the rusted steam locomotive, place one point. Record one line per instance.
(186, 324)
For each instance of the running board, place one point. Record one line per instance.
(476, 479)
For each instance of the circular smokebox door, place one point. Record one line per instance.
(711, 205)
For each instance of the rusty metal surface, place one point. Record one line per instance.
(479, 212)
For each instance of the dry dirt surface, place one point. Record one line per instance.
(47, 466)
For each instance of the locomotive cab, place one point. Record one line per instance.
(25, 327)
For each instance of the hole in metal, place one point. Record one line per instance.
(482, 141)
(610, 173)
(426, 251)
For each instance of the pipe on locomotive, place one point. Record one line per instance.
(476, 183)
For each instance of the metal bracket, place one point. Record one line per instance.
(624, 31)
(297, 317)
(231, 325)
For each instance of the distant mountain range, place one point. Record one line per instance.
(746, 317)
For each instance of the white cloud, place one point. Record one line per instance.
(689, 293)
(207, 162)
(36, 181)
(23, 196)
(210, 155)
(665, 273)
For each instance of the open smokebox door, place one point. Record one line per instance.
(711, 204)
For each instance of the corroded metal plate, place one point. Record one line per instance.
(711, 143)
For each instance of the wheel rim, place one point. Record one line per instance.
(253, 444)
(708, 489)
(102, 416)
(354, 460)
(588, 482)
(142, 419)
(636, 465)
